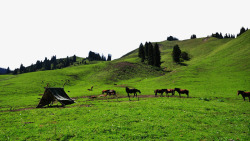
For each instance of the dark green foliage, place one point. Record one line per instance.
(171, 38)
(109, 57)
(217, 35)
(141, 53)
(74, 58)
(157, 56)
(150, 54)
(193, 36)
(176, 54)
(146, 50)
(22, 69)
(8, 70)
(15, 72)
(242, 30)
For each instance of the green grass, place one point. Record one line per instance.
(214, 111)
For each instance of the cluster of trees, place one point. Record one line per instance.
(150, 53)
(220, 36)
(97, 57)
(242, 30)
(178, 55)
(193, 36)
(47, 64)
(171, 38)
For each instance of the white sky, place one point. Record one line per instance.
(31, 30)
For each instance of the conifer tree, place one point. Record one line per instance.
(157, 56)
(8, 70)
(141, 53)
(146, 50)
(150, 54)
(176, 54)
(109, 57)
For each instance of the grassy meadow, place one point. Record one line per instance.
(214, 111)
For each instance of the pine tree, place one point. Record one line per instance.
(146, 50)
(8, 70)
(109, 57)
(74, 58)
(193, 36)
(157, 56)
(22, 69)
(150, 54)
(141, 53)
(176, 54)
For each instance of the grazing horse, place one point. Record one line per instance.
(182, 91)
(161, 91)
(105, 91)
(132, 91)
(170, 91)
(244, 94)
(111, 92)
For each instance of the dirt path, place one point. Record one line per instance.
(96, 98)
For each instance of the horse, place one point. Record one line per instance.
(105, 91)
(161, 91)
(111, 92)
(132, 91)
(170, 91)
(182, 91)
(244, 94)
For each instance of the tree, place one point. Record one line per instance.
(146, 50)
(22, 69)
(15, 71)
(242, 30)
(141, 53)
(150, 54)
(109, 57)
(171, 38)
(157, 56)
(176, 54)
(8, 70)
(74, 58)
(193, 36)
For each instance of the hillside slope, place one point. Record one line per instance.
(218, 68)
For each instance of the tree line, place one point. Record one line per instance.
(150, 54)
(54, 63)
(47, 64)
(97, 57)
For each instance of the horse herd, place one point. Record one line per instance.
(161, 91)
(167, 91)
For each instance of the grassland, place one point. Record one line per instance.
(217, 69)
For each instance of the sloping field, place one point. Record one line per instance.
(214, 111)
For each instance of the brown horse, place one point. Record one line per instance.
(132, 91)
(105, 91)
(111, 92)
(170, 91)
(182, 91)
(161, 91)
(244, 94)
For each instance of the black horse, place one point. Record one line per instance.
(161, 91)
(244, 94)
(132, 91)
(182, 91)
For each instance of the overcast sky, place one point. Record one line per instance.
(31, 30)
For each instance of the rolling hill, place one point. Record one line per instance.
(214, 111)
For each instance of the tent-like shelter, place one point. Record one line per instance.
(52, 94)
